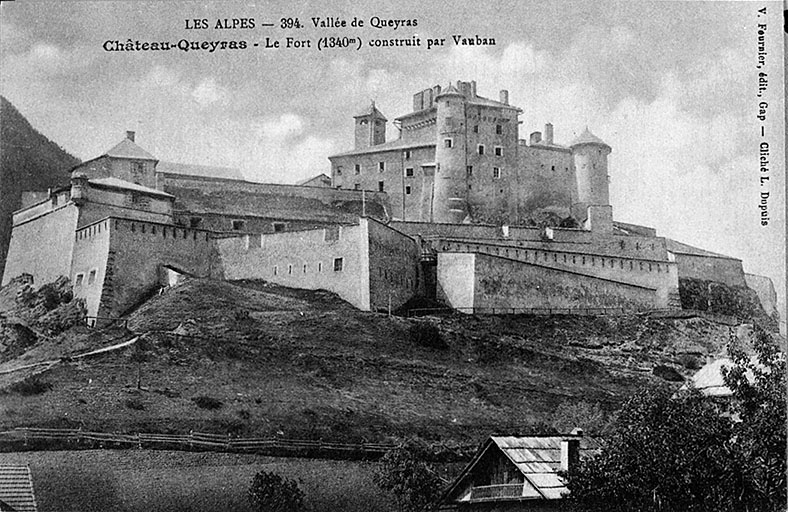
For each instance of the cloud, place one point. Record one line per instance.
(208, 92)
(280, 149)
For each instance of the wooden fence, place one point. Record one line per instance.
(43, 438)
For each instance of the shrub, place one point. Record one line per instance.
(30, 386)
(689, 361)
(668, 373)
(207, 402)
(413, 483)
(135, 403)
(270, 492)
(427, 335)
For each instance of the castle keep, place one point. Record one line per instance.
(457, 207)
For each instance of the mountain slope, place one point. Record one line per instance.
(256, 359)
(28, 161)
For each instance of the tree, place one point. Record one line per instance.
(270, 492)
(758, 385)
(413, 482)
(665, 453)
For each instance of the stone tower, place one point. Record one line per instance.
(450, 189)
(370, 127)
(590, 156)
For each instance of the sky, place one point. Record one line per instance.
(670, 86)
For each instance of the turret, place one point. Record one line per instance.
(79, 187)
(590, 156)
(449, 200)
(370, 127)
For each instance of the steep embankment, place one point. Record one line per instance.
(28, 161)
(255, 359)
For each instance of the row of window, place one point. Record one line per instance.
(80, 278)
(338, 267)
(496, 174)
(449, 143)
(566, 258)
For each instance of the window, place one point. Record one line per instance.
(469, 170)
(476, 128)
(276, 269)
(496, 173)
(552, 168)
(290, 269)
(54, 200)
(409, 172)
(304, 268)
(279, 227)
(447, 143)
(194, 222)
(339, 170)
(381, 166)
(319, 266)
(92, 277)
(407, 154)
(337, 264)
(357, 167)
(498, 151)
(137, 170)
(481, 149)
(407, 190)
(79, 279)
(380, 186)
(238, 225)
(357, 186)
(498, 129)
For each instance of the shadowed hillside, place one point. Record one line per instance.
(28, 161)
(250, 358)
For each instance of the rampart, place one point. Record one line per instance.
(334, 259)
(476, 280)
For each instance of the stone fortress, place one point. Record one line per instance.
(457, 208)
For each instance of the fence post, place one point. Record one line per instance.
(139, 441)
(25, 437)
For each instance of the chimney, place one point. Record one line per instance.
(436, 91)
(570, 453)
(130, 135)
(473, 88)
(548, 133)
(504, 96)
(536, 137)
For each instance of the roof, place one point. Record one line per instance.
(321, 180)
(387, 146)
(680, 248)
(129, 149)
(127, 185)
(538, 458)
(588, 138)
(209, 171)
(371, 110)
(16, 489)
(709, 380)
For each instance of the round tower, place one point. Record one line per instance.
(449, 202)
(590, 156)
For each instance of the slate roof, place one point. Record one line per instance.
(680, 248)
(206, 171)
(127, 185)
(538, 458)
(387, 146)
(373, 111)
(709, 381)
(16, 489)
(588, 138)
(128, 149)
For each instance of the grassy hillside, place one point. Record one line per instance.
(276, 361)
(28, 161)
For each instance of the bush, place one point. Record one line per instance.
(30, 386)
(427, 335)
(413, 483)
(135, 403)
(667, 373)
(270, 492)
(207, 402)
(689, 361)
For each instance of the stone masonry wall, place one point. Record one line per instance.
(42, 246)
(334, 259)
(504, 283)
(723, 270)
(393, 267)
